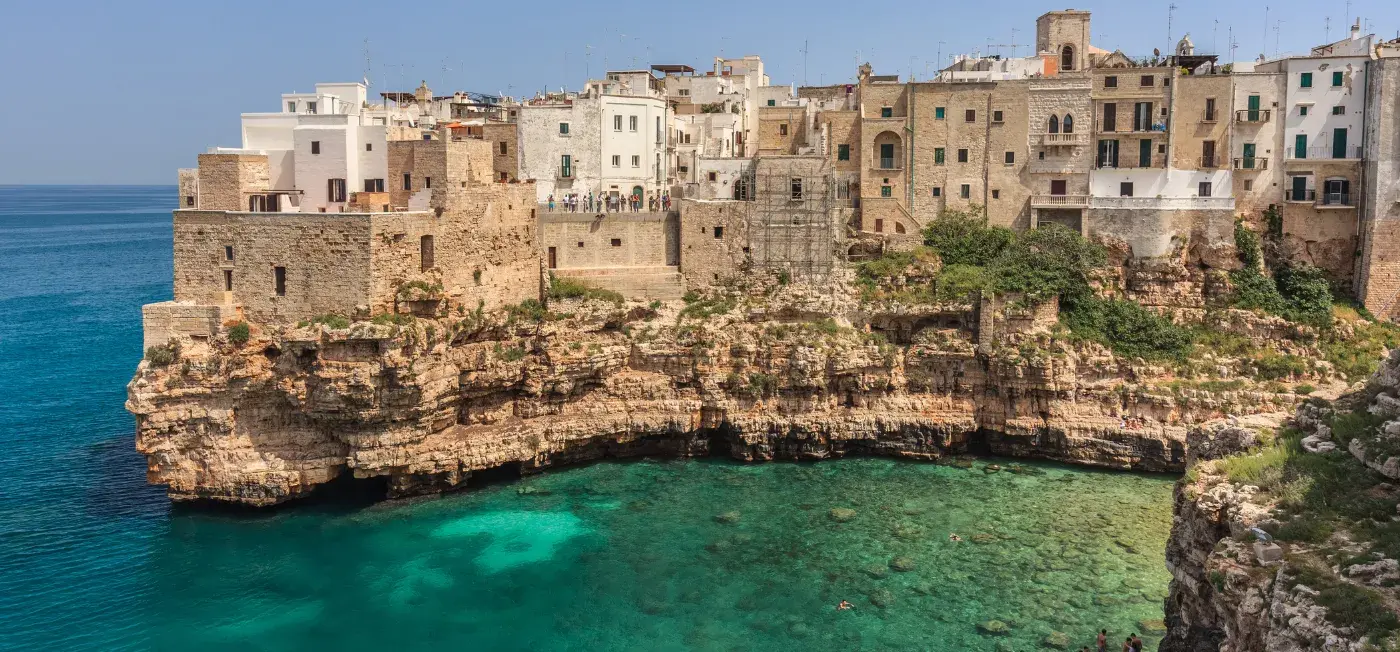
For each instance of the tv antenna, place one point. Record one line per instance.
(1171, 12)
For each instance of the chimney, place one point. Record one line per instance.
(1356, 30)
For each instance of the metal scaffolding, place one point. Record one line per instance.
(791, 225)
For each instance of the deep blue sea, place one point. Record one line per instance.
(644, 555)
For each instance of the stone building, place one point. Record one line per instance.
(1378, 265)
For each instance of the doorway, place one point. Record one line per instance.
(553, 258)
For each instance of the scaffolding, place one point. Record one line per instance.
(791, 221)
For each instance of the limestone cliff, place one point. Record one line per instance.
(770, 371)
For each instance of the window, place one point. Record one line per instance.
(1248, 184)
(1305, 80)
(772, 102)
(291, 107)
(879, 225)
(369, 147)
(425, 253)
(938, 113)
(228, 280)
(505, 177)
(683, 92)
(632, 123)
(886, 191)
(279, 281)
(1203, 189)
(1207, 153)
(1339, 110)
(1336, 79)
(228, 253)
(719, 232)
(616, 242)
(1110, 116)
(335, 190)
(782, 129)
(1303, 110)
(563, 129)
(970, 116)
(1054, 126)
(189, 200)
(502, 145)
(1040, 155)
(996, 116)
(407, 181)
(580, 244)
(1069, 123)
(315, 147)
(1110, 82)
(374, 185)
(1010, 158)
(937, 191)
(965, 192)
(899, 227)
(311, 107)
(843, 152)
(1147, 81)
(617, 160)
(1067, 58)
(796, 186)
(938, 156)
(886, 112)
(712, 176)
(1058, 187)
(962, 156)
(427, 182)
(636, 161)
(996, 194)
(1125, 189)
(1210, 109)
(617, 123)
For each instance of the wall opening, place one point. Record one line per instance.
(425, 253)
(279, 281)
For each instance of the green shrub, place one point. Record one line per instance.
(827, 326)
(1048, 261)
(1356, 354)
(1247, 246)
(1127, 328)
(567, 288)
(510, 354)
(960, 283)
(162, 355)
(332, 321)
(1305, 528)
(238, 333)
(1263, 468)
(964, 238)
(707, 307)
(655, 304)
(528, 310)
(1308, 293)
(1304, 389)
(784, 277)
(1273, 366)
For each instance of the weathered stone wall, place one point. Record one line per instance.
(706, 260)
(1191, 127)
(505, 165)
(170, 319)
(773, 121)
(950, 133)
(435, 164)
(842, 129)
(225, 180)
(617, 240)
(326, 257)
(1203, 235)
(188, 188)
(1378, 278)
(1319, 234)
(1257, 189)
(1056, 29)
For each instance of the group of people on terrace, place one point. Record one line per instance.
(611, 203)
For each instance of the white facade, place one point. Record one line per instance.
(1325, 99)
(1157, 188)
(550, 132)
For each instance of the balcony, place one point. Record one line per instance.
(1059, 201)
(1210, 116)
(1251, 163)
(888, 164)
(1300, 195)
(565, 173)
(1325, 153)
(1210, 162)
(1335, 200)
(1064, 139)
(1256, 116)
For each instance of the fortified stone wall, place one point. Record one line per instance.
(708, 260)
(507, 162)
(225, 180)
(167, 319)
(434, 164)
(618, 240)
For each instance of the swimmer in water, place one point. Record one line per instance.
(844, 606)
(954, 537)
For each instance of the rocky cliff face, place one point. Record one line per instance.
(758, 374)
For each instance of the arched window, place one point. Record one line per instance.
(1067, 58)
(1069, 123)
(1054, 125)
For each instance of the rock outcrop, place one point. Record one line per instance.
(762, 375)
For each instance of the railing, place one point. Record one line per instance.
(1325, 152)
(1300, 195)
(1132, 162)
(1335, 199)
(566, 173)
(889, 164)
(1251, 163)
(1165, 203)
(1209, 162)
(1253, 115)
(1060, 201)
(1064, 139)
(1210, 116)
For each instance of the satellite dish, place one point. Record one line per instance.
(1156, 52)
(1261, 535)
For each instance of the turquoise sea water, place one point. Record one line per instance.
(648, 555)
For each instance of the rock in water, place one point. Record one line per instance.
(1153, 627)
(881, 598)
(993, 628)
(842, 514)
(1056, 640)
(727, 518)
(903, 564)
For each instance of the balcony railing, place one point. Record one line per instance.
(1165, 203)
(1210, 116)
(1210, 162)
(1253, 116)
(889, 164)
(1251, 163)
(566, 173)
(1300, 195)
(1325, 152)
(1059, 201)
(1064, 139)
(1337, 199)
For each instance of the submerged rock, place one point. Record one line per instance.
(881, 598)
(903, 564)
(1056, 640)
(993, 628)
(842, 514)
(1152, 627)
(727, 518)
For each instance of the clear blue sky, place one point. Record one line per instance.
(95, 91)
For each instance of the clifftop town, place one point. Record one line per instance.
(1078, 255)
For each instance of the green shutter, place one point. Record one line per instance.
(1300, 146)
(1305, 80)
(938, 113)
(938, 156)
(843, 152)
(1337, 78)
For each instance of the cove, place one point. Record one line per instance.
(683, 555)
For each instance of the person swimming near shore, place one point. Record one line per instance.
(844, 606)
(953, 536)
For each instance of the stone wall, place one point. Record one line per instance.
(325, 257)
(1257, 189)
(1056, 29)
(503, 135)
(781, 129)
(706, 260)
(1378, 277)
(188, 184)
(1324, 236)
(614, 240)
(1191, 127)
(225, 180)
(434, 164)
(950, 133)
(173, 319)
(1200, 235)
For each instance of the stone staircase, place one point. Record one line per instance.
(660, 282)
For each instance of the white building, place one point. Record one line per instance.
(609, 140)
